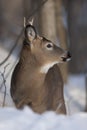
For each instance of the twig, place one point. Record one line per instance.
(14, 46)
(6, 76)
(4, 82)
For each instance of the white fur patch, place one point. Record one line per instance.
(68, 59)
(45, 68)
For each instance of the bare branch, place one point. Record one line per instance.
(14, 46)
(16, 42)
(4, 83)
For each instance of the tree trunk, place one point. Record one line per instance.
(47, 18)
(77, 22)
(27, 8)
(61, 33)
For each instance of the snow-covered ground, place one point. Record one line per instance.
(11, 118)
(75, 94)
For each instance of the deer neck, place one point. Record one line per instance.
(32, 68)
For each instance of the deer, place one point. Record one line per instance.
(36, 80)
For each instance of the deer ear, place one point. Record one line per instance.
(30, 33)
(31, 21)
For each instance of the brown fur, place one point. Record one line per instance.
(40, 91)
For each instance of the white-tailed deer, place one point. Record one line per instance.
(36, 80)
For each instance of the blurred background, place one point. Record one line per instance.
(62, 21)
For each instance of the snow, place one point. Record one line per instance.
(11, 119)
(75, 94)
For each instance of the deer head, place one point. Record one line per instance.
(45, 52)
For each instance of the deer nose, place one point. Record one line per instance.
(66, 56)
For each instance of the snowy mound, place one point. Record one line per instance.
(12, 119)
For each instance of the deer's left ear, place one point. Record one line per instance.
(30, 33)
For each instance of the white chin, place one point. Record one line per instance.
(46, 67)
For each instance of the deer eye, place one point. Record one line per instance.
(49, 46)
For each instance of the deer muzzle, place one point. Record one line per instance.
(66, 56)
